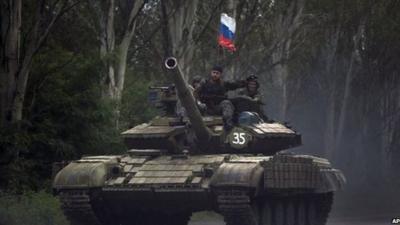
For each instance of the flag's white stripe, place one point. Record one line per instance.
(229, 22)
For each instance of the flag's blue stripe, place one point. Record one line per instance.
(224, 30)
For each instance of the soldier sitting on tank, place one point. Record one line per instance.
(212, 93)
(196, 83)
(252, 94)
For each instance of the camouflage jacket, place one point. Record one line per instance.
(213, 93)
(255, 96)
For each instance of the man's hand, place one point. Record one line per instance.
(202, 106)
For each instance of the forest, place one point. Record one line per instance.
(74, 74)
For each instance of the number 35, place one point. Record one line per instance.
(239, 138)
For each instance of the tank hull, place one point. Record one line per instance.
(131, 189)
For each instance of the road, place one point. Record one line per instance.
(338, 217)
(364, 220)
(372, 219)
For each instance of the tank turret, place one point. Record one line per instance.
(202, 133)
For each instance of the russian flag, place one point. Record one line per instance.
(227, 32)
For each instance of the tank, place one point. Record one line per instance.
(178, 165)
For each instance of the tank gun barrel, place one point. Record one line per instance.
(163, 88)
(187, 100)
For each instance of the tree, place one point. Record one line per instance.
(115, 37)
(179, 18)
(20, 42)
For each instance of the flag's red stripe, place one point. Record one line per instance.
(227, 43)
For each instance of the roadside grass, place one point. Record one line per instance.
(32, 208)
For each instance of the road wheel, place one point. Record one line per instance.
(298, 210)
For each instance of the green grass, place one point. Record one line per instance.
(33, 208)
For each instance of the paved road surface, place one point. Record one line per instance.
(335, 219)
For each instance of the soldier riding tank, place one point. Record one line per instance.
(178, 166)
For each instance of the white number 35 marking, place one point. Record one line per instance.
(239, 138)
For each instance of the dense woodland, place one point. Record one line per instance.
(75, 73)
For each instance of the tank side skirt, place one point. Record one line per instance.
(77, 206)
(288, 172)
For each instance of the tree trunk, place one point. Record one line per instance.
(114, 55)
(22, 82)
(11, 58)
(344, 103)
(17, 69)
(23, 74)
(107, 45)
(123, 48)
(181, 24)
(355, 57)
(390, 114)
(285, 26)
(328, 88)
(282, 73)
(329, 133)
(280, 76)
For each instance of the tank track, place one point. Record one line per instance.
(77, 207)
(310, 209)
(237, 208)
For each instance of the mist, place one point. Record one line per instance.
(358, 135)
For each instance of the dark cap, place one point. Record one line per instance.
(196, 79)
(218, 68)
(252, 77)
